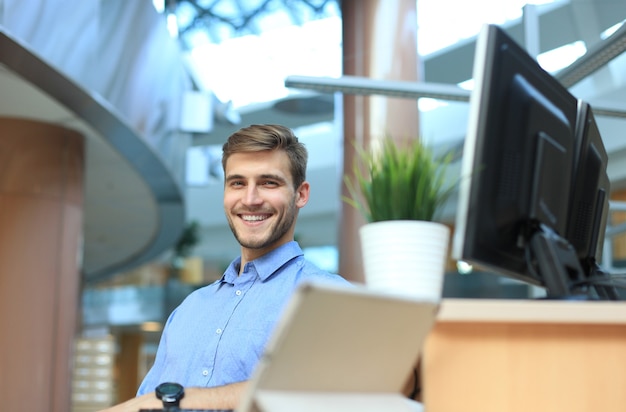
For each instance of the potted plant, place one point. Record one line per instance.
(400, 188)
(183, 267)
(187, 240)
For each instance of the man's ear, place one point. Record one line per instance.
(302, 194)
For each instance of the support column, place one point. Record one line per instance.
(41, 199)
(380, 42)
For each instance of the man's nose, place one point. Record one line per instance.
(251, 196)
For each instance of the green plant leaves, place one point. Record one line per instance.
(398, 182)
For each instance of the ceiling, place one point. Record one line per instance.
(202, 21)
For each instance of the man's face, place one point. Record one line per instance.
(260, 202)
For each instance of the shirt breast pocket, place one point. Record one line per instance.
(241, 348)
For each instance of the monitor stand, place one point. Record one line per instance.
(561, 272)
(605, 290)
(557, 265)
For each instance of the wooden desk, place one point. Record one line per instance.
(510, 355)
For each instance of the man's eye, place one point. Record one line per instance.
(236, 183)
(270, 183)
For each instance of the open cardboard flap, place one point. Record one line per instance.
(340, 348)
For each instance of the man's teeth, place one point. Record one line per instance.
(253, 218)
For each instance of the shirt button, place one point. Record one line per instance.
(218, 331)
(238, 293)
(205, 372)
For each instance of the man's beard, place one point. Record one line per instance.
(283, 226)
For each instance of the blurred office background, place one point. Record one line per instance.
(113, 114)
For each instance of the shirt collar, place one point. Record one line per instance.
(267, 264)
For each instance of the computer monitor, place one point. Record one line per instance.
(590, 202)
(526, 153)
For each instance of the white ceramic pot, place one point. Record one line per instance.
(405, 257)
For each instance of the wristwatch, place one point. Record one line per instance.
(170, 393)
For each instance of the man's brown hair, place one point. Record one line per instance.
(257, 138)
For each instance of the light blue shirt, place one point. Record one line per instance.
(217, 334)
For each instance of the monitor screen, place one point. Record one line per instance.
(525, 155)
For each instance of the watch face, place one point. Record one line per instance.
(170, 393)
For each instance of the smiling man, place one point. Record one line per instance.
(262, 195)
(214, 339)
